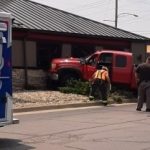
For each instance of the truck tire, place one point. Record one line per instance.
(51, 85)
(66, 77)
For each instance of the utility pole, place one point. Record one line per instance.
(116, 13)
(119, 15)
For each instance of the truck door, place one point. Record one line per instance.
(90, 66)
(122, 69)
(5, 68)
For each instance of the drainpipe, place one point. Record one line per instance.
(25, 63)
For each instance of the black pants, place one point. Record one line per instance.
(100, 86)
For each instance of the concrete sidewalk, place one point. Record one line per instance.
(76, 105)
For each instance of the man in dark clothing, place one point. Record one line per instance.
(143, 80)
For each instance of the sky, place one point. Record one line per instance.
(104, 11)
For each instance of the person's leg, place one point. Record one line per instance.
(141, 96)
(148, 98)
(104, 93)
(92, 91)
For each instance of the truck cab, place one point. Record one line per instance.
(120, 65)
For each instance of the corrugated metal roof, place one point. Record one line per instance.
(35, 16)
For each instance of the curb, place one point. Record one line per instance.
(50, 107)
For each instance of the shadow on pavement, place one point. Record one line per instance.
(13, 144)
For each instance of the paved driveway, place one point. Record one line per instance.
(93, 128)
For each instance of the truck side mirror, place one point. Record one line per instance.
(82, 61)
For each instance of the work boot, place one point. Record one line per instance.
(91, 97)
(105, 103)
(147, 110)
(138, 109)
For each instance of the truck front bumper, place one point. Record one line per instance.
(53, 81)
(53, 76)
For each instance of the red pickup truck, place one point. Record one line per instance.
(120, 64)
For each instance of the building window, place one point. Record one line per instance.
(46, 51)
(82, 50)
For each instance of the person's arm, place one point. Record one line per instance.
(137, 75)
(107, 77)
(92, 78)
(108, 81)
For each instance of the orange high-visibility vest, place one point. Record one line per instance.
(101, 74)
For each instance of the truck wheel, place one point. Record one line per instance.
(65, 78)
(51, 85)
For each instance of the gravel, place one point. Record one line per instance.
(25, 99)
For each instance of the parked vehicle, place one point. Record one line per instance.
(120, 64)
(6, 116)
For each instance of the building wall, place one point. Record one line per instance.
(37, 76)
(18, 79)
(139, 52)
(18, 53)
(66, 50)
(37, 79)
(31, 54)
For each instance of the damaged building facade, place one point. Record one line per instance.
(41, 33)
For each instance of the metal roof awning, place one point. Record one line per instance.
(34, 16)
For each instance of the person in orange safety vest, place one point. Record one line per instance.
(100, 81)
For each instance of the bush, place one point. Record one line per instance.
(117, 95)
(76, 87)
(123, 92)
(120, 95)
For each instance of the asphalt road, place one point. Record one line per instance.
(93, 128)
